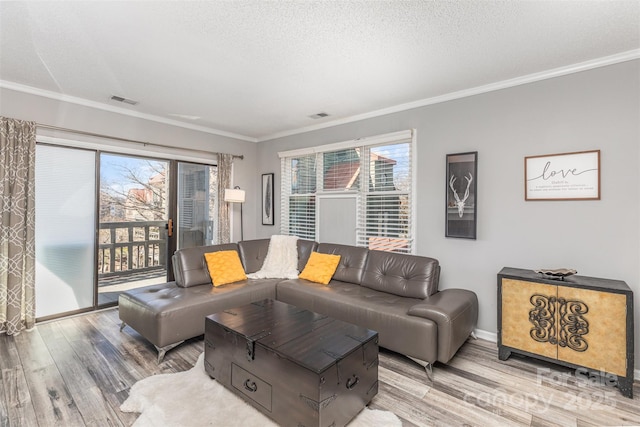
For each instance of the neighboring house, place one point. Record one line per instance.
(147, 204)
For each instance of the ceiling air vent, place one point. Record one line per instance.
(319, 115)
(125, 100)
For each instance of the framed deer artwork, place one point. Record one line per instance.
(462, 199)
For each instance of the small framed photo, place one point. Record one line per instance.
(267, 199)
(462, 199)
(565, 176)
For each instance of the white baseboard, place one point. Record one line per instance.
(486, 335)
(493, 337)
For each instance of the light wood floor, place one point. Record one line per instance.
(77, 372)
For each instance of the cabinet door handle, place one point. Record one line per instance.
(250, 385)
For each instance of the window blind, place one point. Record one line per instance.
(340, 170)
(298, 201)
(384, 212)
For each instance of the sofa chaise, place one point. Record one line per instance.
(394, 294)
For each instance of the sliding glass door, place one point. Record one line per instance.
(104, 224)
(197, 205)
(133, 231)
(65, 230)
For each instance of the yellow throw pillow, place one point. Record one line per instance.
(320, 268)
(224, 267)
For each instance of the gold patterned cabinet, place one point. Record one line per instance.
(580, 322)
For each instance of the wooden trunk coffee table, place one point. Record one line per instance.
(297, 367)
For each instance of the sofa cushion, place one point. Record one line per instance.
(305, 247)
(352, 261)
(224, 267)
(399, 274)
(166, 314)
(379, 311)
(189, 266)
(320, 267)
(253, 253)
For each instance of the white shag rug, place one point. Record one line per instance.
(281, 261)
(193, 399)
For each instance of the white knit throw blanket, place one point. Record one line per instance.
(281, 261)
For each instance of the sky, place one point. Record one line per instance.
(112, 173)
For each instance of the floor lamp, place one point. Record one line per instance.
(235, 195)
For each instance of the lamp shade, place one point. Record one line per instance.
(233, 195)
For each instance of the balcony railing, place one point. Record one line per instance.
(128, 247)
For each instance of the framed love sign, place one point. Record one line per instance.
(566, 176)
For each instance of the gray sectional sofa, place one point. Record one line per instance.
(394, 294)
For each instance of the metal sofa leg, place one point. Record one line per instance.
(428, 368)
(163, 350)
(473, 335)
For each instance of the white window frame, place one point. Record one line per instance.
(408, 136)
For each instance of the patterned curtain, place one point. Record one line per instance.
(17, 234)
(224, 181)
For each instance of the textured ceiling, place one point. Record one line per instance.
(259, 69)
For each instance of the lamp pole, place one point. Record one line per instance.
(241, 221)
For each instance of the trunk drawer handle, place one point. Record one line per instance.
(251, 385)
(352, 382)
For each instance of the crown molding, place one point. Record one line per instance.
(530, 78)
(118, 110)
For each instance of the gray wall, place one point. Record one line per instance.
(596, 109)
(52, 112)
